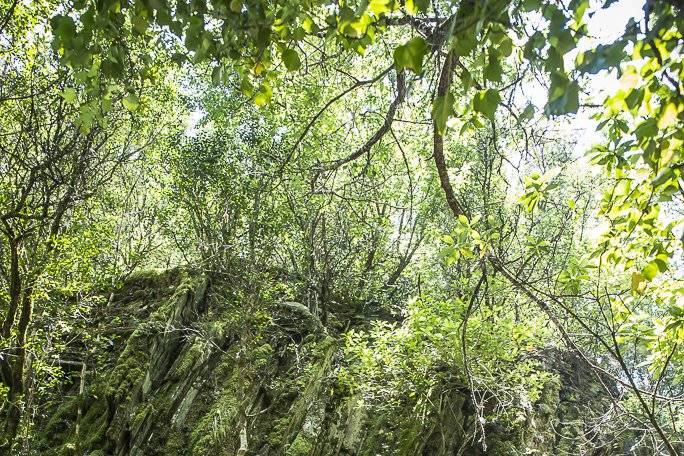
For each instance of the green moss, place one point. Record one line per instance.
(290, 391)
(301, 446)
(141, 414)
(60, 421)
(498, 447)
(548, 400)
(175, 444)
(219, 421)
(93, 427)
(130, 367)
(277, 437)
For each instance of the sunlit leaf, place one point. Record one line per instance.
(411, 55)
(486, 102)
(291, 59)
(131, 102)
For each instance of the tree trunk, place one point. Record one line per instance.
(14, 290)
(16, 371)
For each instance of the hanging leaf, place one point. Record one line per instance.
(602, 58)
(291, 59)
(464, 43)
(217, 75)
(493, 71)
(442, 109)
(650, 271)
(69, 95)
(379, 7)
(264, 95)
(131, 102)
(411, 55)
(486, 102)
(527, 114)
(563, 95)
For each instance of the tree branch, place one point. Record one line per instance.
(438, 141)
(379, 134)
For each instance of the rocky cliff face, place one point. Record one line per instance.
(182, 380)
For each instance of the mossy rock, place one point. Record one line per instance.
(301, 446)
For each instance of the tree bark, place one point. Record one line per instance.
(14, 289)
(438, 140)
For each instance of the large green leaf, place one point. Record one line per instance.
(442, 109)
(563, 95)
(486, 102)
(379, 7)
(291, 59)
(601, 58)
(493, 71)
(411, 55)
(131, 102)
(264, 95)
(464, 43)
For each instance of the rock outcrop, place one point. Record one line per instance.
(181, 381)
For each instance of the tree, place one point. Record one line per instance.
(469, 40)
(344, 141)
(58, 150)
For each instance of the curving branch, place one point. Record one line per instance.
(630, 381)
(438, 140)
(337, 97)
(379, 134)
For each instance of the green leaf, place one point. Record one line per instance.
(562, 41)
(264, 95)
(668, 115)
(217, 75)
(554, 61)
(506, 46)
(236, 6)
(140, 24)
(664, 176)
(601, 58)
(637, 280)
(106, 104)
(417, 6)
(635, 98)
(556, 18)
(246, 87)
(646, 129)
(530, 5)
(442, 109)
(463, 43)
(379, 7)
(563, 95)
(291, 59)
(69, 95)
(493, 70)
(411, 55)
(131, 102)
(650, 271)
(63, 27)
(486, 102)
(528, 113)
